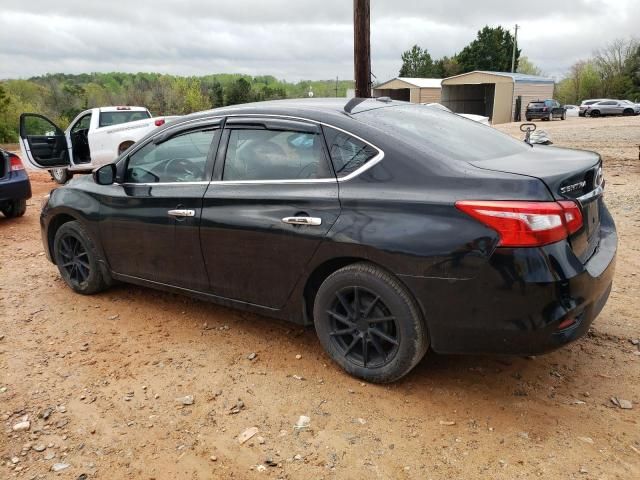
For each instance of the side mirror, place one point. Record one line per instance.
(105, 175)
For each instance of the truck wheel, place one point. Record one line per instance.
(123, 146)
(60, 175)
(14, 208)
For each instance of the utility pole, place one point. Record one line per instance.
(362, 48)
(336, 87)
(515, 45)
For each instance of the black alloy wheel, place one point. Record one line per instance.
(75, 259)
(362, 328)
(369, 323)
(78, 259)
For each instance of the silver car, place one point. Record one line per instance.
(587, 103)
(612, 107)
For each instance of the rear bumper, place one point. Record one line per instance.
(537, 114)
(517, 303)
(15, 187)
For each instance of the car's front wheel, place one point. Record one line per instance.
(78, 259)
(14, 208)
(369, 324)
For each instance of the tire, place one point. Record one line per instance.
(15, 208)
(594, 113)
(123, 146)
(628, 112)
(60, 175)
(393, 346)
(78, 259)
(528, 119)
(564, 116)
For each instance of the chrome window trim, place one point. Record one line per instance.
(370, 164)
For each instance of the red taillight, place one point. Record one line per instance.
(159, 122)
(526, 224)
(15, 163)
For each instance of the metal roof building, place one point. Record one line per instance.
(500, 96)
(415, 90)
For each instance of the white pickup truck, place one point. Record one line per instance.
(94, 138)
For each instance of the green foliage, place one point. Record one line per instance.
(613, 72)
(526, 66)
(417, 63)
(61, 97)
(491, 50)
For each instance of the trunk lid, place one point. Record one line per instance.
(569, 175)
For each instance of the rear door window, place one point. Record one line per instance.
(265, 154)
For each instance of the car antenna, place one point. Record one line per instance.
(353, 103)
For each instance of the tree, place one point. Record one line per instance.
(447, 67)
(491, 51)
(239, 92)
(417, 63)
(612, 63)
(526, 66)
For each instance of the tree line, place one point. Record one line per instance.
(492, 50)
(613, 71)
(61, 97)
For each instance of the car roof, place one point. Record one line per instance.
(312, 108)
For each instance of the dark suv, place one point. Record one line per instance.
(15, 188)
(545, 110)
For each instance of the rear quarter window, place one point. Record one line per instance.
(347, 153)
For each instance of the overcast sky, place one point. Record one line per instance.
(291, 39)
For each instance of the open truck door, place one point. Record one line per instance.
(42, 143)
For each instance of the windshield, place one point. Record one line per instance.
(444, 134)
(115, 118)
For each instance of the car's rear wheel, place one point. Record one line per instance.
(528, 119)
(78, 259)
(14, 208)
(369, 323)
(564, 116)
(60, 175)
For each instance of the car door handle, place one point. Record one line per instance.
(314, 221)
(182, 213)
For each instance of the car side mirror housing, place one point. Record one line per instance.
(105, 175)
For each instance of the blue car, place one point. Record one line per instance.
(15, 188)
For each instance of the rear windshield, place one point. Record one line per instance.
(446, 135)
(115, 118)
(537, 104)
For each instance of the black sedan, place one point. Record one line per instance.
(393, 228)
(15, 188)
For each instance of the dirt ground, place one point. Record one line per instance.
(98, 378)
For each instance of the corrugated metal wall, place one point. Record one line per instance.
(430, 95)
(531, 92)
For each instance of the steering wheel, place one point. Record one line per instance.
(182, 167)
